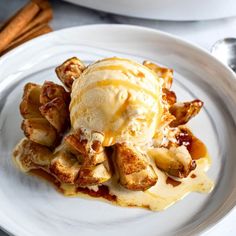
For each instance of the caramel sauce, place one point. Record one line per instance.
(195, 146)
(46, 176)
(122, 127)
(126, 60)
(141, 74)
(197, 149)
(173, 182)
(126, 84)
(116, 68)
(109, 135)
(114, 83)
(121, 110)
(166, 192)
(103, 191)
(140, 103)
(129, 61)
(193, 176)
(108, 138)
(117, 59)
(169, 96)
(67, 67)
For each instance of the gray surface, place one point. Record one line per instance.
(67, 15)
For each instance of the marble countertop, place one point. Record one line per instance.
(203, 33)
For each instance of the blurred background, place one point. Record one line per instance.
(204, 32)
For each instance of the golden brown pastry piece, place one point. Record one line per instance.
(29, 155)
(65, 167)
(29, 106)
(93, 175)
(195, 146)
(88, 145)
(69, 71)
(175, 161)
(50, 90)
(183, 112)
(165, 73)
(46, 113)
(168, 96)
(39, 131)
(94, 168)
(57, 114)
(134, 169)
(54, 102)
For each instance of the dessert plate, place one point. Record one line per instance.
(30, 206)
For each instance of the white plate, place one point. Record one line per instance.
(32, 207)
(178, 10)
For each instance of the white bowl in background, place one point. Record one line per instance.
(179, 10)
(29, 206)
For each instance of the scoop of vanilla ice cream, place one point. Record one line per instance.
(119, 98)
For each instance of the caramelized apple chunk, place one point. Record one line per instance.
(183, 112)
(69, 71)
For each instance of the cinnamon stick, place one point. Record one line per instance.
(43, 4)
(42, 17)
(37, 31)
(9, 20)
(17, 24)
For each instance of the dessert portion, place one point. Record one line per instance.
(115, 131)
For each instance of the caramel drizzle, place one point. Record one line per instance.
(121, 110)
(109, 135)
(108, 139)
(131, 62)
(114, 83)
(116, 68)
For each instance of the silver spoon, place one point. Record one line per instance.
(225, 51)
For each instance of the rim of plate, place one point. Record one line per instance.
(158, 33)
